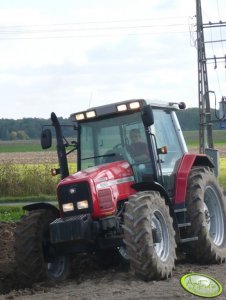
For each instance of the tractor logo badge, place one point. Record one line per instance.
(201, 285)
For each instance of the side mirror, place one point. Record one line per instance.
(46, 139)
(147, 116)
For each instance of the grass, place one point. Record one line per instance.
(192, 137)
(10, 214)
(20, 146)
(222, 177)
(28, 199)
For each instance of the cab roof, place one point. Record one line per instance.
(122, 107)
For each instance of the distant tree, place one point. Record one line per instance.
(21, 135)
(13, 135)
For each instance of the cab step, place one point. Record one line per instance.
(190, 239)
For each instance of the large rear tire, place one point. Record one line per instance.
(146, 213)
(32, 242)
(206, 208)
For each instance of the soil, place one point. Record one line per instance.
(42, 157)
(90, 281)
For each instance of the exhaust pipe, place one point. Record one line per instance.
(61, 152)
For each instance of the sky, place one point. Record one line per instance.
(67, 56)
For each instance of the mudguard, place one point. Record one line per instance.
(41, 205)
(188, 161)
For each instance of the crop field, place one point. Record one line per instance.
(25, 171)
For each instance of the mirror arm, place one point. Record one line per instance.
(72, 150)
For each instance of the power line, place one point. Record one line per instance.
(90, 29)
(93, 22)
(90, 36)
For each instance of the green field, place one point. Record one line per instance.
(22, 146)
(192, 137)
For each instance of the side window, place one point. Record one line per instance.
(87, 147)
(166, 135)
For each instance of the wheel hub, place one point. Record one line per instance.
(213, 215)
(160, 236)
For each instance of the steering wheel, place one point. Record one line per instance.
(124, 153)
(117, 146)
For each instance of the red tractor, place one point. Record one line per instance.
(137, 191)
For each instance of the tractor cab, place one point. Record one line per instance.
(147, 136)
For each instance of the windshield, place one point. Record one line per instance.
(117, 138)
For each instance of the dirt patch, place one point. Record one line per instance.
(45, 157)
(89, 281)
(42, 157)
(7, 264)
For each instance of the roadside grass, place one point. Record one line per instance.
(10, 213)
(28, 199)
(222, 177)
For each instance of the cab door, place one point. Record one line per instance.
(168, 133)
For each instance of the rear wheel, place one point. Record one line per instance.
(149, 236)
(206, 208)
(32, 249)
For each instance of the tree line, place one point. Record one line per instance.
(189, 119)
(30, 128)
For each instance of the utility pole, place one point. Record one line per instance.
(205, 126)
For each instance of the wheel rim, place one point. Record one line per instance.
(123, 252)
(161, 248)
(214, 216)
(56, 268)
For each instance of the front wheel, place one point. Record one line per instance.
(206, 207)
(149, 236)
(32, 249)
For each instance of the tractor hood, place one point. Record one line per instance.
(103, 186)
(120, 170)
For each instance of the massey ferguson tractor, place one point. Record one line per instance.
(142, 199)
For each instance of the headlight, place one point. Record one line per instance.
(121, 107)
(82, 204)
(134, 105)
(79, 117)
(68, 207)
(90, 114)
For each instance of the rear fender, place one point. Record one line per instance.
(41, 205)
(188, 161)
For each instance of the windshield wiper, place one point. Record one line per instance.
(104, 155)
